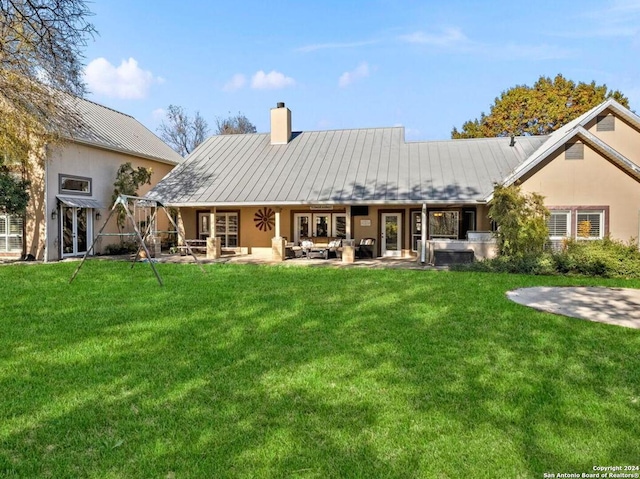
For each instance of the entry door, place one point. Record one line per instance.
(76, 230)
(321, 223)
(390, 241)
(204, 229)
(302, 228)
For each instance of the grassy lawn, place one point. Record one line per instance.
(257, 371)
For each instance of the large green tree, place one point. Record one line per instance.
(539, 109)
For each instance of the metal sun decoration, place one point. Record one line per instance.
(264, 219)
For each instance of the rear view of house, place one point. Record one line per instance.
(248, 189)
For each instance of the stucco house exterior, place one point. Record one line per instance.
(70, 192)
(255, 189)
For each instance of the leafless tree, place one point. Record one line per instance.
(182, 132)
(234, 125)
(41, 63)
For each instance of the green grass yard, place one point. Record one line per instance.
(258, 371)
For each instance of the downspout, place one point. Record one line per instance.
(423, 234)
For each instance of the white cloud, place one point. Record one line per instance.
(127, 81)
(448, 37)
(271, 81)
(237, 82)
(347, 78)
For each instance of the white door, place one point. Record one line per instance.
(391, 235)
(302, 226)
(321, 223)
(76, 230)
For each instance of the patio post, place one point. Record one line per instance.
(214, 244)
(423, 234)
(278, 243)
(347, 210)
(277, 226)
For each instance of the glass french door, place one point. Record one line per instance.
(76, 230)
(204, 229)
(302, 227)
(391, 235)
(321, 224)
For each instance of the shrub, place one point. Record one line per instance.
(518, 264)
(124, 247)
(606, 258)
(522, 221)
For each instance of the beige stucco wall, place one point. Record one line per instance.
(625, 139)
(101, 166)
(593, 181)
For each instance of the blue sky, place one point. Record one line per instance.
(425, 65)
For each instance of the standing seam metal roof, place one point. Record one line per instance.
(110, 129)
(342, 166)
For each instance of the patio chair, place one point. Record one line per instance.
(366, 248)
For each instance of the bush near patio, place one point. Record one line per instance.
(250, 371)
(606, 258)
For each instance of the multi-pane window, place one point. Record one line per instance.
(444, 224)
(339, 227)
(227, 229)
(10, 234)
(75, 185)
(416, 229)
(589, 224)
(576, 223)
(559, 224)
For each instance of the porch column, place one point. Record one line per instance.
(278, 243)
(423, 234)
(277, 226)
(348, 225)
(213, 243)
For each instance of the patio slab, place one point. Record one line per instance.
(617, 306)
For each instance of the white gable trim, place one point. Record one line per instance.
(576, 128)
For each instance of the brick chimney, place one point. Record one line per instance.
(280, 125)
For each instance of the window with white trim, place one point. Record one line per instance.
(10, 234)
(444, 224)
(559, 224)
(589, 224)
(227, 229)
(74, 185)
(339, 225)
(416, 229)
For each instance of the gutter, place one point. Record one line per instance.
(202, 204)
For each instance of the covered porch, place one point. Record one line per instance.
(282, 232)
